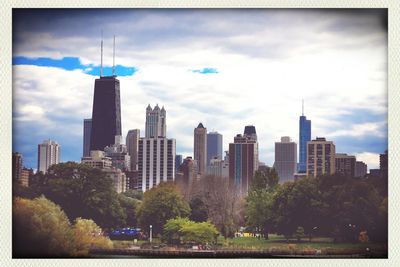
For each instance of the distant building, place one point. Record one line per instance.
(156, 161)
(200, 148)
(345, 164)
(361, 169)
(243, 159)
(98, 160)
(132, 180)
(156, 154)
(304, 137)
(48, 154)
(25, 177)
(383, 163)
(106, 114)
(218, 167)
(17, 166)
(320, 157)
(118, 177)
(285, 159)
(132, 144)
(178, 162)
(156, 125)
(87, 129)
(375, 172)
(187, 173)
(214, 146)
(119, 155)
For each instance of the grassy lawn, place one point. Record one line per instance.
(280, 243)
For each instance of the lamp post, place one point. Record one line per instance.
(151, 233)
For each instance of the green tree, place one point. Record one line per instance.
(136, 194)
(130, 206)
(84, 192)
(88, 235)
(259, 212)
(182, 229)
(199, 210)
(40, 229)
(160, 204)
(299, 234)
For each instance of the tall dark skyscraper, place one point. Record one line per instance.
(87, 128)
(304, 137)
(106, 115)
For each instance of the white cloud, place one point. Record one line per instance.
(371, 159)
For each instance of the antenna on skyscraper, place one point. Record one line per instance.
(101, 56)
(302, 107)
(113, 70)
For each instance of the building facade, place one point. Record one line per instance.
(218, 167)
(48, 154)
(156, 162)
(285, 159)
(87, 129)
(17, 166)
(132, 144)
(361, 169)
(320, 157)
(119, 155)
(106, 114)
(156, 122)
(178, 162)
(243, 161)
(214, 146)
(345, 164)
(200, 148)
(98, 160)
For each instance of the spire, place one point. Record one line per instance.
(101, 55)
(302, 107)
(113, 69)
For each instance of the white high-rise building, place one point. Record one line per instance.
(156, 125)
(132, 144)
(285, 159)
(156, 153)
(48, 154)
(119, 155)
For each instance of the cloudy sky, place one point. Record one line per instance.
(225, 68)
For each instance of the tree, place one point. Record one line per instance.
(130, 206)
(88, 235)
(160, 204)
(40, 229)
(136, 194)
(259, 213)
(182, 229)
(82, 191)
(199, 210)
(224, 207)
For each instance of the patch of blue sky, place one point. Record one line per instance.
(206, 71)
(73, 63)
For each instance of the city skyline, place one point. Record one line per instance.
(337, 64)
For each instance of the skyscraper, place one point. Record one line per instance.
(178, 162)
(361, 169)
(106, 114)
(48, 154)
(87, 128)
(214, 146)
(304, 137)
(119, 155)
(243, 160)
(156, 153)
(132, 144)
(285, 159)
(156, 125)
(320, 157)
(200, 148)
